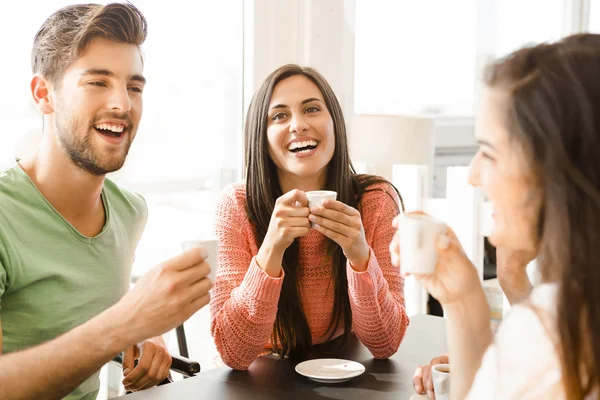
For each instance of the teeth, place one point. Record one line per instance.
(296, 145)
(110, 127)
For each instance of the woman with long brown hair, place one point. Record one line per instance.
(538, 163)
(282, 286)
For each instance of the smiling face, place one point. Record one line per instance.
(300, 132)
(501, 169)
(98, 105)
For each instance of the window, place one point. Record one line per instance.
(189, 144)
(518, 23)
(426, 57)
(594, 21)
(190, 141)
(409, 59)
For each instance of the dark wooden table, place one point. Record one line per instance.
(271, 378)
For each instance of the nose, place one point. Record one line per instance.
(474, 173)
(120, 100)
(298, 124)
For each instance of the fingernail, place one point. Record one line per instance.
(443, 242)
(430, 394)
(126, 371)
(325, 202)
(312, 217)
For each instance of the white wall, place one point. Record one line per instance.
(316, 33)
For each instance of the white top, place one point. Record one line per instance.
(522, 362)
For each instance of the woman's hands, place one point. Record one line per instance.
(343, 224)
(454, 278)
(291, 219)
(288, 221)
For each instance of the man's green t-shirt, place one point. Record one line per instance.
(52, 278)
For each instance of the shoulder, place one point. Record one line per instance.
(233, 195)
(232, 202)
(378, 194)
(525, 345)
(17, 200)
(538, 312)
(16, 190)
(523, 351)
(532, 319)
(9, 174)
(235, 191)
(123, 200)
(10, 180)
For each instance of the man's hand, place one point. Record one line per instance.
(165, 297)
(153, 366)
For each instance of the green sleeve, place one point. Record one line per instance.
(3, 265)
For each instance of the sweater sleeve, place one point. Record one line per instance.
(377, 294)
(244, 298)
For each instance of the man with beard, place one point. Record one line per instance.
(68, 235)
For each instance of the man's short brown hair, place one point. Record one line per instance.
(65, 35)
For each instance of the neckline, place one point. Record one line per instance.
(75, 232)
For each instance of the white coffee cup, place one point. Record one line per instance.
(211, 246)
(316, 197)
(440, 375)
(418, 237)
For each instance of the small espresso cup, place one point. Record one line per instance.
(440, 375)
(418, 237)
(211, 247)
(316, 197)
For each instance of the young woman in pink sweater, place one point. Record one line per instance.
(282, 286)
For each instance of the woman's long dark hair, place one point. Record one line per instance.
(291, 333)
(553, 113)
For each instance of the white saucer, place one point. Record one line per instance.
(330, 370)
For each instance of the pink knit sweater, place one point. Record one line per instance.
(244, 298)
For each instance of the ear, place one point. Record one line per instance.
(41, 89)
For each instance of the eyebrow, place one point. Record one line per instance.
(310, 99)
(483, 142)
(110, 74)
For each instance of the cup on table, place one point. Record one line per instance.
(418, 237)
(440, 375)
(316, 197)
(211, 246)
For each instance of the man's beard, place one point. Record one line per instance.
(81, 150)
